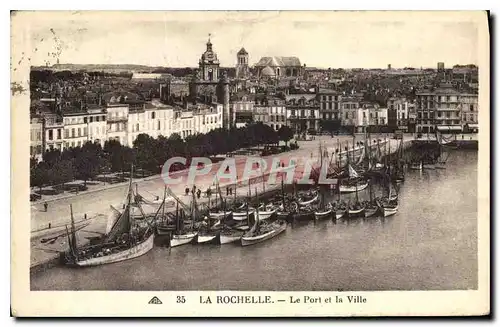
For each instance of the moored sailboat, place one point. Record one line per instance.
(263, 231)
(124, 239)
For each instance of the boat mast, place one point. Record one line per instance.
(340, 153)
(73, 230)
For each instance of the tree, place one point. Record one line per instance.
(285, 134)
(87, 161)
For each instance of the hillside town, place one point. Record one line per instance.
(71, 108)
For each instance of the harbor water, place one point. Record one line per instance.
(430, 244)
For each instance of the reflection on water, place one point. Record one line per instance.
(431, 243)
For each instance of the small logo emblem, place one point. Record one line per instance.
(155, 300)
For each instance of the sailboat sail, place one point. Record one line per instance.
(111, 219)
(352, 172)
(121, 226)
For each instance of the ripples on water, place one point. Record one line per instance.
(430, 244)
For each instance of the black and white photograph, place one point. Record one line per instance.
(225, 157)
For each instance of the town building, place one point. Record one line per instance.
(96, 123)
(117, 122)
(36, 138)
(470, 110)
(397, 113)
(209, 86)
(439, 109)
(242, 68)
(271, 111)
(279, 67)
(302, 113)
(330, 102)
(75, 129)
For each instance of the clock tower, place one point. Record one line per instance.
(209, 64)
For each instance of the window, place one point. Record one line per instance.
(448, 115)
(293, 112)
(84, 120)
(471, 107)
(59, 134)
(79, 132)
(91, 119)
(403, 115)
(302, 113)
(159, 125)
(85, 131)
(137, 127)
(153, 115)
(66, 133)
(347, 115)
(50, 135)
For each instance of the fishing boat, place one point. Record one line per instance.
(243, 214)
(325, 212)
(390, 210)
(310, 201)
(356, 210)
(230, 235)
(371, 206)
(340, 210)
(262, 231)
(266, 212)
(185, 231)
(353, 183)
(325, 209)
(125, 239)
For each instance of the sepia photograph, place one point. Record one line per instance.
(225, 157)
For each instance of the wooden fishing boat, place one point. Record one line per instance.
(356, 211)
(220, 214)
(390, 210)
(182, 238)
(230, 236)
(371, 209)
(325, 213)
(352, 187)
(243, 214)
(267, 213)
(310, 201)
(125, 238)
(263, 231)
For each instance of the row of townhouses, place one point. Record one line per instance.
(121, 122)
(445, 108)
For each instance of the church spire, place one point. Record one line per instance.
(209, 44)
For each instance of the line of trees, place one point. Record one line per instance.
(148, 153)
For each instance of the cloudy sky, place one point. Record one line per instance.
(319, 39)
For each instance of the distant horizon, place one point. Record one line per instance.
(251, 66)
(317, 38)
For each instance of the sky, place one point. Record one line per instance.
(318, 39)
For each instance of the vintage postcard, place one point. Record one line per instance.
(250, 164)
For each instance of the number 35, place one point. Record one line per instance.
(181, 299)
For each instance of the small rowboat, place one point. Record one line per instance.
(371, 211)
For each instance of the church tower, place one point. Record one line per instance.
(209, 64)
(242, 70)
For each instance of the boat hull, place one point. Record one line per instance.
(212, 238)
(356, 213)
(322, 215)
(220, 215)
(340, 214)
(389, 211)
(178, 240)
(225, 239)
(263, 215)
(245, 241)
(351, 189)
(240, 216)
(304, 203)
(369, 212)
(133, 252)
